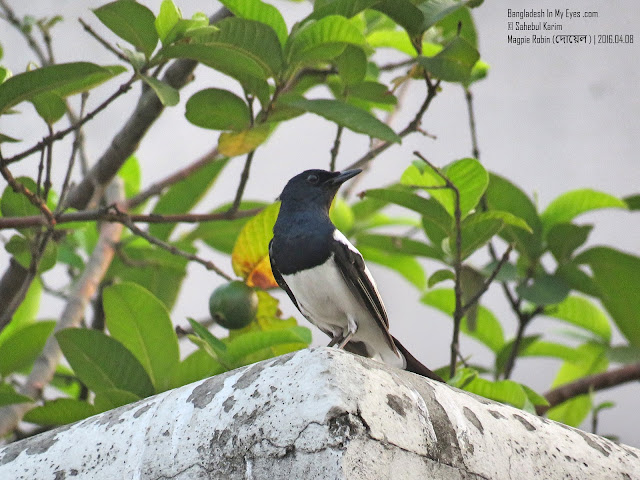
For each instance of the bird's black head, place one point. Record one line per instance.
(314, 187)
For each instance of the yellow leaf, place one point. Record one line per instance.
(250, 255)
(233, 144)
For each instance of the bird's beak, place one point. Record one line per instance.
(344, 176)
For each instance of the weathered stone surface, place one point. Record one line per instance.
(317, 414)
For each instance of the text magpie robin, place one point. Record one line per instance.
(325, 275)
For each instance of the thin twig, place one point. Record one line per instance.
(413, 126)
(394, 66)
(103, 214)
(475, 151)
(49, 163)
(102, 41)
(524, 318)
(158, 187)
(489, 280)
(67, 177)
(335, 149)
(63, 133)
(13, 19)
(18, 187)
(600, 381)
(244, 177)
(126, 221)
(458, 312)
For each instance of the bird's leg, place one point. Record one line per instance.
(335, 340)
(351, 330)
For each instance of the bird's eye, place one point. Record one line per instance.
(312, 179)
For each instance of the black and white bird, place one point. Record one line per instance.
(325, 275)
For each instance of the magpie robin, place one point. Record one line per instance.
(325, 275)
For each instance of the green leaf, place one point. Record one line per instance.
(7, 139)
(396, 39)
(26, 312)
(633, 202)
(168, 95)
(617, 276)
(351, 65)
(504, 196)
(348, 116)
(478, 228)
(341, 215)
(167, 18)
(130, 173)
(459, 23)
(132, 22)
(582, 313)
(453, 63)
(323, 39)
(64, 79)
(564, 238)
(261, 12)
(155, 269)
(405, 14)
(60, 412)
(141, 323)
(397, 244)
(250, 256)
(15, 204)
(215, 346)
(248, 343)
(218, 109)
(182, 196)
(238, 48)
(591, 360)
(22, 347)
(569, 205)
(344, 8)
(185, 26)
(102, 362)
(532, 346)
(222, 234)
(440, 276)
(405, 265)
(49, 106)
(8, 395)
(20, 247)
(436, 10)
(372, 92)
(427, 207)
(545, 290)
(488, 330)
(233, 144)
(111, 398)
(195, 367)
(623, 354)
(466, 174)
(503, 391)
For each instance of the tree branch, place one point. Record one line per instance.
(244, 177)
(72, 128)
(86, 286)
(125, 220)
(488, 281)
(413, 126)
(106, 215)
(458, 312)
(600, 381)
(102, 41)
(158, 187)
(335, 149)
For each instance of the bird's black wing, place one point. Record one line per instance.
(359, 281)
(279, 279)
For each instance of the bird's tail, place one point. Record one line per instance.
(413, 365)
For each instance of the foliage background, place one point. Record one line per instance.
(549, 118)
